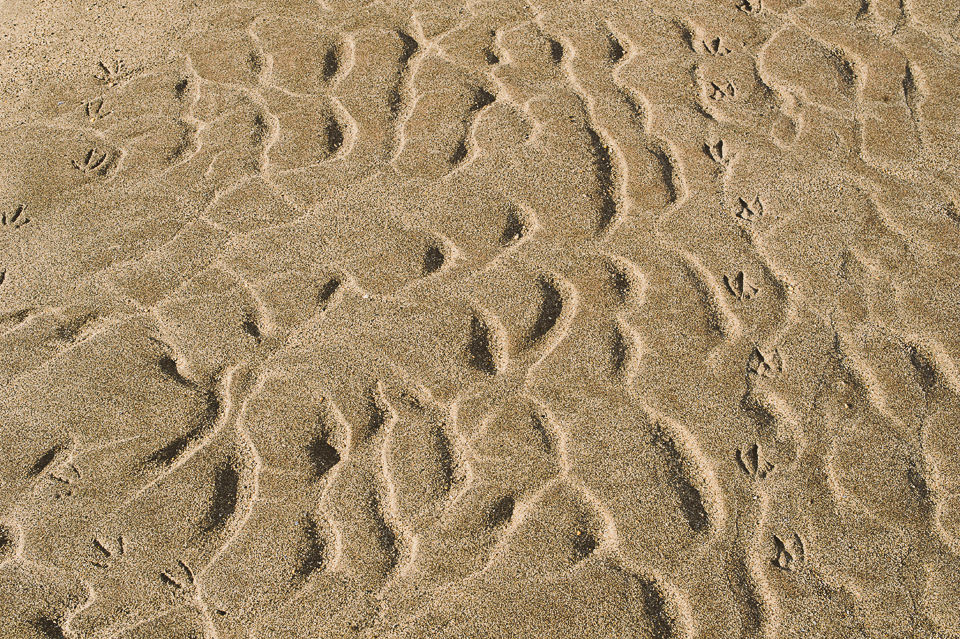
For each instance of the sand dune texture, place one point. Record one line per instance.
(480, 319)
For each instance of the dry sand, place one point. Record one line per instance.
(487, 319)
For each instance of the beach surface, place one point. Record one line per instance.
(484, 319)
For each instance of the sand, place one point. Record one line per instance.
(484, 319)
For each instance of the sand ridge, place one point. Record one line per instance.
(480, 319)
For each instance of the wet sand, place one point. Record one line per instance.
(485, 319)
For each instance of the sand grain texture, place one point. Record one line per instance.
(486, 319)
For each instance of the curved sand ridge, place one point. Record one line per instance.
(428, 319)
